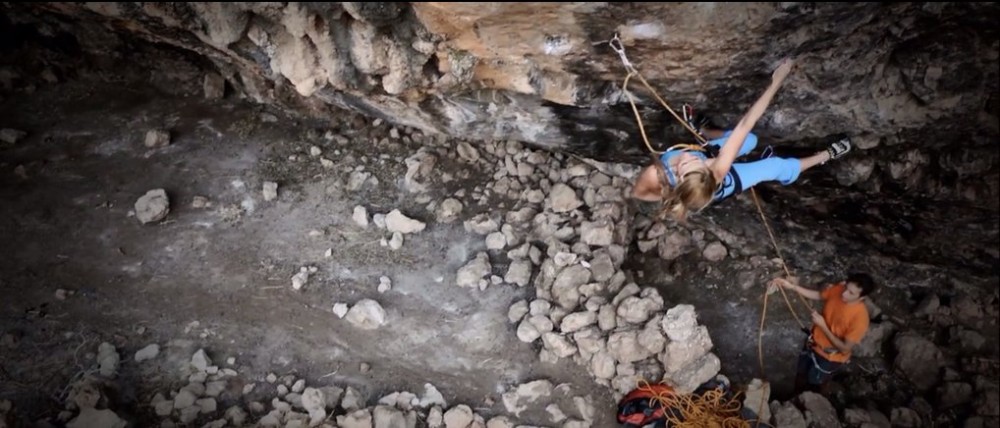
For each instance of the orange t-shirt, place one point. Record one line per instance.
(847, 321)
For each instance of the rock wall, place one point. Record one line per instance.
(914, 84)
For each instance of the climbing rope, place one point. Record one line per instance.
(784, 266)
(620, 50)
(616, 45)
(708, 409)
(693, 406)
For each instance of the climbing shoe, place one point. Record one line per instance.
(839, 148)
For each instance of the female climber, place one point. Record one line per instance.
(696, 180)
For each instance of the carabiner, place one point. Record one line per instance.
(620, 50)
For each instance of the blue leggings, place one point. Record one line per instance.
(783, 170)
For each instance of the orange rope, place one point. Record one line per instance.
(709, 409)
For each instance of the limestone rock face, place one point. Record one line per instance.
(908, 82)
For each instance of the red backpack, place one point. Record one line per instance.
(643, 406)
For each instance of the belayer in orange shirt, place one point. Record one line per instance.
(835, 332)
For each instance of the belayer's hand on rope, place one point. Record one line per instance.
(818, 320)
(790, 283)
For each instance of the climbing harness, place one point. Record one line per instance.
(812, 356)
(630, 68)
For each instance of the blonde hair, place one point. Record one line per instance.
(694, 192)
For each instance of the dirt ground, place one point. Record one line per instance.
(218, 277)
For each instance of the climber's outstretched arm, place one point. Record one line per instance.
(731, 147)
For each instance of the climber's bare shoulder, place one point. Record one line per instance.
(647, 185)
